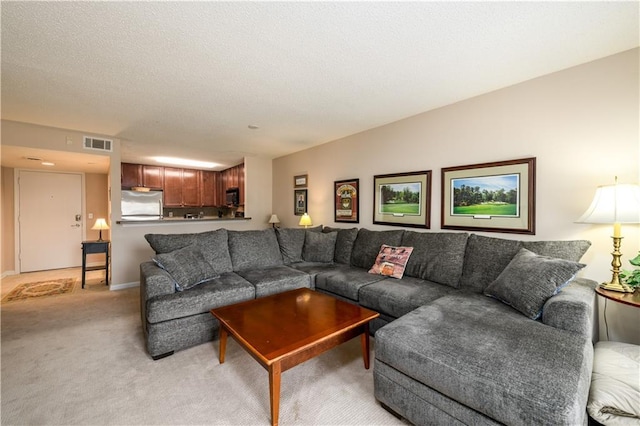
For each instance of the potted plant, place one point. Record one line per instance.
(632, 278)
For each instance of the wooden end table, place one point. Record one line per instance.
(283, 330)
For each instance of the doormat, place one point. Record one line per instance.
(40, 289)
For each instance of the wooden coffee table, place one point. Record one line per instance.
(283, 330)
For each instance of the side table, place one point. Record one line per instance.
(632, 299)
(91, 247)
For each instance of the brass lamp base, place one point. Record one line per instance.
(621, 287)
(615, 284)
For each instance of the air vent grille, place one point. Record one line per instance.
(98, 144)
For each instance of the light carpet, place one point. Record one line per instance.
(81, 360)
(40, 289)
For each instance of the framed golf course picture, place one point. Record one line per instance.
(402, 199)
(491, 197)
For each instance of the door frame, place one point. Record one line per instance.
(16, 208)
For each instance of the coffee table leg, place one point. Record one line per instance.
(364, 339)
(274, 391)
(223, 343)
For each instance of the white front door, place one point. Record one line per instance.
(50, 220)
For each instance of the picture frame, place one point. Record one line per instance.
(490, 197)
(402, 199)
(299, 202)
(300, 181)
(346, 200)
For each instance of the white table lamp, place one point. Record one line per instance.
(274, 220)
(614, 204)
(100, 225)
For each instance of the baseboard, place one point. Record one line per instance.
(123, 286)
(7, 273)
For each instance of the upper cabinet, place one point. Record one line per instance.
(181, 187)
(141, 175)
(185, 187)
(231, 178)
(209, 188)
(153, 177)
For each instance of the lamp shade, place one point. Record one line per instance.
(305, 220)
(274, 219)
(100, 224)
(619, 203)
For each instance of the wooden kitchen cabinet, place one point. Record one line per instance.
(181, 187)
(172, 187)
(132, 175)
(209, 188)
(191, 188)
(153, 177)
(232, 178)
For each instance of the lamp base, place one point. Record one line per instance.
(620, 287)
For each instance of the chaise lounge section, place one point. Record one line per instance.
(455, 343)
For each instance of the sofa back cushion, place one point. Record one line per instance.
(213, 244)
(291, 241)
(437, 256)
(368, 243)
(344, 243)
(254, 249)
(485, 258)
(319, 246)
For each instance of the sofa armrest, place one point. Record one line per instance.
(154, 281)
(573, 309)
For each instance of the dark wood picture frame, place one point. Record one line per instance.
(299, 202)
(346, 200)
(402, 199)
(300, 181)
(470, 200)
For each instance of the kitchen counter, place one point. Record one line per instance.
(174, 220)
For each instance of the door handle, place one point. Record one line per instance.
(77, 225)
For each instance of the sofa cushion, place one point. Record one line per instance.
(529, 280)
(228, 288)
(391, 261)
(254, 249)
(569, 250)
(345, 281)
(214, 246)
(485, 258)
(319, 246)
(344, 243)
(395, 298)
(368, 243)
(275, 279)
(492, 359)
(437, 256)
(187, 266)
(291, 241)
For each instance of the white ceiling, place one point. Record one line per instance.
(187, 79)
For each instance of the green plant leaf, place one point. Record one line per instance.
(635, 261)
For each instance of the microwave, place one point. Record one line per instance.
(232, 197)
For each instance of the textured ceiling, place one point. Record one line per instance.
(187, 79)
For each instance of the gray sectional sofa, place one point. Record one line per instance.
(477, 330)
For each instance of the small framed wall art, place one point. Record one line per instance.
(300, 202)
(402, 199)
(490, 197)
(347, 200)
(300, 181)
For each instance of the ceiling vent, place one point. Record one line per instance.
(98, 144)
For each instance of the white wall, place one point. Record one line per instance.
(582, 125)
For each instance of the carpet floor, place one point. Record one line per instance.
(80, 360)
